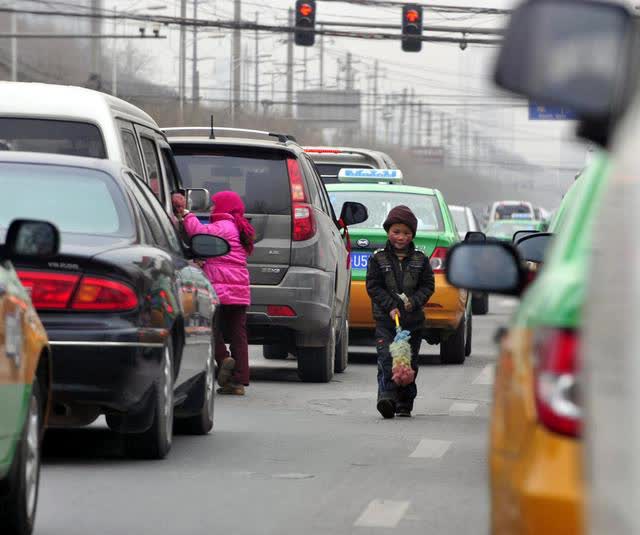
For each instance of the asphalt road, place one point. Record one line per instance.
(292, 458)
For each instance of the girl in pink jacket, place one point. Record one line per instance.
(230, 278)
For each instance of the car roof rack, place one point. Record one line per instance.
(282, 138)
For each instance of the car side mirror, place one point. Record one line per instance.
(533, 248)
(31, 239)
(353, 213)
(574, 56)
(208, 246)
(522, 233)
(492, 267)
(198, 199)
(475, 236)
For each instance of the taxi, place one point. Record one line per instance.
(448, 312)
(504, 229)
(25, 376)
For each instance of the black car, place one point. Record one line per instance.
(129, 318)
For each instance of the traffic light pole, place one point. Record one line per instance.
(237, 51)
(290, 67)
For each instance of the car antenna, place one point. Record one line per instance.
(212, 135)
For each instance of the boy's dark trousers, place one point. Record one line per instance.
(387, 389)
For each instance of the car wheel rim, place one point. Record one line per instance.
(32, 464)
(168, 394)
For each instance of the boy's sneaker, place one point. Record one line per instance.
(226, 371)
(387, 407)
(403, 411)
(231, 389)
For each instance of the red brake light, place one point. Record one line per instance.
(281, 310)
(323, 151)
(49, 290)
(303, 221)
(556, 385)
(437, 259)
(102, 294)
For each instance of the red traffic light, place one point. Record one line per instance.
(412, 15)
(305, 10)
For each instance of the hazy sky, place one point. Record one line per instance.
(441, 73)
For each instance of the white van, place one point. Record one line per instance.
(37, 117)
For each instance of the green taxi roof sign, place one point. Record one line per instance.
(390, 176)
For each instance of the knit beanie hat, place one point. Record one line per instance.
(401, 214)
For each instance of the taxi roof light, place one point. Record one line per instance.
(390, 176)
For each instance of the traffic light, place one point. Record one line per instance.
(305, 18)
(411, 28)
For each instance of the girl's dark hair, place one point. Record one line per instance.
(247, 239)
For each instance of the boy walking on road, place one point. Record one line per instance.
(399, 281)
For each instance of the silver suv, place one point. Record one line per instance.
(300, 272)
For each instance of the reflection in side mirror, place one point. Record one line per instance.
(198, 200)
(475, 236)
(534, 247)
(208, 246)
(31, 239)
(569, 53)
(485, 267)
(353, 213)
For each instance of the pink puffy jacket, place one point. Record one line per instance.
(228, 274)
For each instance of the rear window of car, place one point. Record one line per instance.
(506, 229)
(53, 136)
(460, 219)
(506, 211)
(425, 207)
(329, 171)
(76, 200)
(259, 176)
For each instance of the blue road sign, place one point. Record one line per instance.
(540, 112)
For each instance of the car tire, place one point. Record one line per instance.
(155, 442)
(19, 491)
(342, 348)
(202, 422)
(480, 304)
(275, 351)
(452, 350)
(469, 336)
(316, 364)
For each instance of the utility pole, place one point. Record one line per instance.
(236, 59)
(429, 127)
(256, 74)
(195, 79)
(412, 122)
(305, 72)
(403, 116)
(114, 57)
(375, 102)
(349, 72)
(321, 60)
(441, 129)
(183, 59)
(96, 10)
(14, 47)
(387, 117)
(290, 66)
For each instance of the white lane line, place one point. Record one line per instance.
(460, 407)
(486, 376)
(430, 449)
(382, 514)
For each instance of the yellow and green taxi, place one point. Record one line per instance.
(504, 229)
(448, 311)
(25, 376)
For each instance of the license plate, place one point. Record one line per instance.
(360, 260)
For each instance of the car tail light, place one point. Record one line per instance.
(281, 310)
(303, 221)
(95, 294)
(437, 259)
(49, 290)
(323, 151)
(556, 381)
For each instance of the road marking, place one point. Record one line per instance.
(382, 514)
(430, 449)
(460, 407)
(486, 376)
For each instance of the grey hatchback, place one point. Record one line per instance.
(300, 272)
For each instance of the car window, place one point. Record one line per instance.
(152, 164)
(460, 219)
(163, 218)
(329, 171)
(379, 203)
(170, 169)
(132, 155)
(148, 213)
(50, 135)
(259, 176)
(76, 199)
(312, 183)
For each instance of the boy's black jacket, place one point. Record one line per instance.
(387, 277)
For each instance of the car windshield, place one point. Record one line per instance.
(507, 211)
(379, 203)
(260, 177)
(506, 229)
(48, 135)
(75, 199)
(460, 219)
